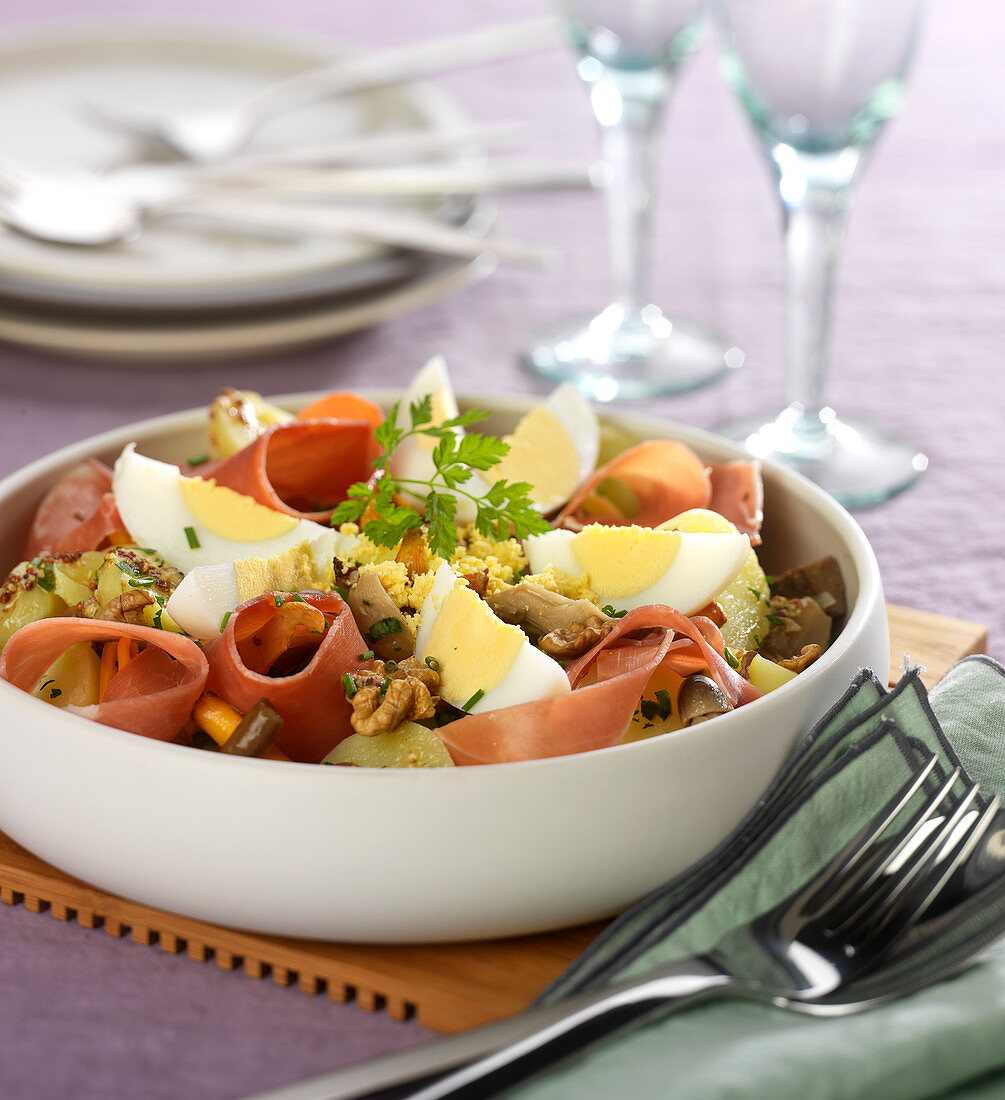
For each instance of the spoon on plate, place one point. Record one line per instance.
(82, 208)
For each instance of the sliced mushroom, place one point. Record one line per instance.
(798, 623)
(699, 699)
(820, 579)
(540, 611)
(379, 619)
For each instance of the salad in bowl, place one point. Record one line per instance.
(353, 588)
(314, 667)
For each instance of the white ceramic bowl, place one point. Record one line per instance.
(413, 855)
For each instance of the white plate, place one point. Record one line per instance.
(45, 77)
(189, 341)
(399, 855)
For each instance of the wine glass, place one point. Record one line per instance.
(629, 53)
(817, 79)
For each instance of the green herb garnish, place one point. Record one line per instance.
(731, 659)
(433, 663)
(198, 460)
(368, 656)
(278, 599)
(503, 511)
(349, 684)
(193, 538)
(479, 694)
(383, 627)
(223, 621)
(775, 619)
(46, 579)
(609, 610)
(663, 703)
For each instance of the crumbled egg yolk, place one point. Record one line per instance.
(501, 560)
(575, 588)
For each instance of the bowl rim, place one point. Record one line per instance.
(869, 591)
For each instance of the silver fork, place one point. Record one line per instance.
(833, 929)
(209, 135)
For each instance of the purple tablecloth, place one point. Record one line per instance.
(918, 335)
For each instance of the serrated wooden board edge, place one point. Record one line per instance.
(447, 987)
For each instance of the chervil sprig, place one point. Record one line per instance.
(504, 510)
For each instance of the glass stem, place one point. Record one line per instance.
(629, 108)
(816, 198)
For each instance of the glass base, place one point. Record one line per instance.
(627, 356)
(856, 463)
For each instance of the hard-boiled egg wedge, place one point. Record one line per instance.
(413, 457)
(554, 447)
(631, 567)
(745, 598)
(199, 605)
(484, 663)
(193, 521)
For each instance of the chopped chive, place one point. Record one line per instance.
(774, 619)
(433, 663)
(193, 539)
(731, 659)
(382, 628)
(609, 610)
(478, 695)
(198, 460)
(278, 599)
(368, 656)
(391, 666)
(343, 592)
(223, 621)
(296, 596)
(349, 684)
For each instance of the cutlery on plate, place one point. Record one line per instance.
(830, 931)
(83, 209)
(208, 135)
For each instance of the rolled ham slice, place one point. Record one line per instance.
(152, 695)
(738, 494)
(666, 478)
(78, 513)
(311, 702)
(302, 468)
(596, 715)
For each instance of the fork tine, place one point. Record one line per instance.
(893, 905)
(840, 876)
(907, 905)
(877, 890)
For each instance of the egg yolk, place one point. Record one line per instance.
(623, 561)
(475, 649)
(291, 571)
(230, 514)
(542, 450)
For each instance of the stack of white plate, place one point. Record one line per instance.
(187, 292)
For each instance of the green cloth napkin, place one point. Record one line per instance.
(945, 1040)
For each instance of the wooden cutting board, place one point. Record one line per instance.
(447, 987)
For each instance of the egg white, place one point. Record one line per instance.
(703, 565)
(200, 603)
(150, 499)
(530, 675)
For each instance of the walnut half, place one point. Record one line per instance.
(407, 697)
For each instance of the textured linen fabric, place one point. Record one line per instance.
(918, 333)
(939, 1038)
